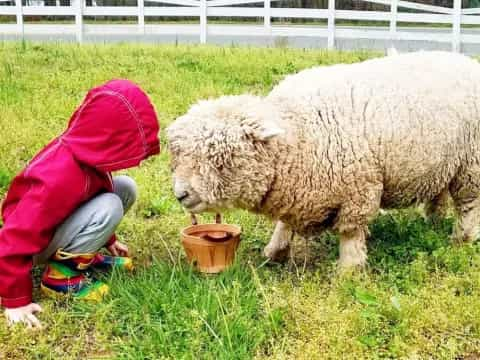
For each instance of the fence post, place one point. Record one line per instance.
(456, 25)
(79, 20)
(19, 15)
(267, 17)
(203, 21)
(393, 19)
(331, 24)
(141, 16)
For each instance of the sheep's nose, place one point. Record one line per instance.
(181, 195)
(180, 188)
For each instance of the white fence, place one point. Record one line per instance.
(203, 9)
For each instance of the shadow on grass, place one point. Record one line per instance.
(397, 238)
(403, 248)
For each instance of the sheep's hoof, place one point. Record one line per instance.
(350, 264)
(460, 240)
(277, 254)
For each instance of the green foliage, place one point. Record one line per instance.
(187, 314)
(5, 179)
(160, 206)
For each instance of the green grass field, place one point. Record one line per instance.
(418, 299)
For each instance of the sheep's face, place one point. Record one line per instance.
(219, 154)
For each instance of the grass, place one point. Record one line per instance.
(418, 299)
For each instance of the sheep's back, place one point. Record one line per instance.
(412, 119)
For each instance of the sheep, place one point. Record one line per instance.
(307, 82)
(390, 132)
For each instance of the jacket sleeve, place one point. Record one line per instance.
(111, 241)
(26, 232)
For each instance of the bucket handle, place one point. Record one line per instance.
(218, 219)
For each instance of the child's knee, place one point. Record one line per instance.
(126, 188)
(111, 211)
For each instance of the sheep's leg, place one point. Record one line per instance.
(438, 205)
(279, 246)
(465, 190)
(353, 248)
(466, 229)
(352, 225)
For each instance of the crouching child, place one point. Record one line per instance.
(64, 207)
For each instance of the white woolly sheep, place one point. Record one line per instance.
(306, 83)
(387, 132)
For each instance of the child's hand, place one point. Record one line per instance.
(118, 249)
(24, 314)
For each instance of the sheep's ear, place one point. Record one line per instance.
(262, 131)
(268, 131)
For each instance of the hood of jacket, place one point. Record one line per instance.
(115, 127)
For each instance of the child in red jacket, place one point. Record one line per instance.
(65, 205)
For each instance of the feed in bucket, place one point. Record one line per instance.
(211, 247)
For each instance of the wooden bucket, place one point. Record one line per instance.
(211, 247)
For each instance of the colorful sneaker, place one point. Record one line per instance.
(79, 262)
(59, 280)
(106, 262)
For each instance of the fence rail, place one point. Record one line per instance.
(203, 9)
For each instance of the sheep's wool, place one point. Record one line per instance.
(331, 145)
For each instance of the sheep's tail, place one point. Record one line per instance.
(392, 51)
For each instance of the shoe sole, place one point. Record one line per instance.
(51, 293)
(97, 295)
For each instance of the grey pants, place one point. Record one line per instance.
(90, 227)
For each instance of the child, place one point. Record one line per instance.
(65, 205)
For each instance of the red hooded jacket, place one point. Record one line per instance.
(115, 128)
